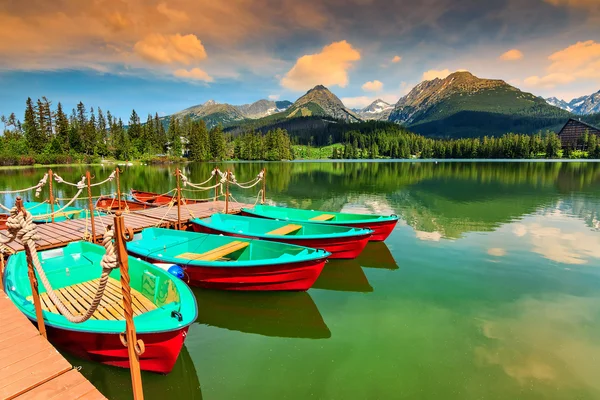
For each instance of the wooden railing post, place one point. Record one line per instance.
(88, 178)
(118, 187)
(178, 173)
(51, 199)
(129, 339)
(217, 179)
(33, 279)
(264, 186)
(227, 191)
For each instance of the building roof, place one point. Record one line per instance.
(574, 129)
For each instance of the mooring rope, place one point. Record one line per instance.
(25, 230)
(38, 187)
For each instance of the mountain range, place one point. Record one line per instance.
(214, 113)
(460, 105)
(583, 105)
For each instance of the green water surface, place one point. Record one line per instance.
(488, 288)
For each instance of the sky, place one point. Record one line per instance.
(161, 57)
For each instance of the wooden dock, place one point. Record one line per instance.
(30, 367)
(58, 234)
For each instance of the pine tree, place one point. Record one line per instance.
(35, 140)
(62, 129)
(134, 132)
(217, 143)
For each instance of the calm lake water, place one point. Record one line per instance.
(489, 288)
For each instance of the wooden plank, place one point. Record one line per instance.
(25, 373)
(69, 385)
(323, 217)
(140, 300)
(217, 253)
(285, 230)
(89, 299)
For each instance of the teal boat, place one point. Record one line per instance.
(163, 306)
(381, 225)
(231, 263)
(340, 241)
(43, 209)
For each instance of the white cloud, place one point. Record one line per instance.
(194, 74)
(372, 86)
(329, 67)
(274, 97)
(357, 102)
(497, 252)
(429, 236)
(512, 55)
(433, 74)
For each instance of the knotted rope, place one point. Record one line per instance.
(23, 228)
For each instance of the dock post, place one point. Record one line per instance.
(33, 279)
(129, 339)
(118, 187)
(264, 186)
(50, 175)
(227, 191)
(217, 178)
(178, 173)
(88, 178)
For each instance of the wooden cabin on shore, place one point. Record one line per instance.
(572, 133)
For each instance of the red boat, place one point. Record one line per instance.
(3, 218)
(108, 204)
(381, 225)
(340, 241)
(226, 263)
(156, 199)
(163, 306)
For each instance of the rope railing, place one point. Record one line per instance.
(22, 227)
(38, 188)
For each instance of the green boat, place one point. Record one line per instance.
(381, 225)
(340, 241)
(231, 263)
(163, 306)
(41, 210)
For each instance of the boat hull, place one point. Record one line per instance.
(155, 199)
(110, 204)
(381, 229)
(3, 218)
(292, 276)
(160, 354)
(346, 247)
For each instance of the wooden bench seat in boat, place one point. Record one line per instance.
(217, 253)
(78, 298)
(323, 217)
(285, 230)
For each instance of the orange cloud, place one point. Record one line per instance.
(578, 61)
(372, 86)
(512, 55)
(173, 15)
(588, 4)
(329, 67)
(549, 81)
(433, 74)
(170, 49)
(194, 74)
(396, 59)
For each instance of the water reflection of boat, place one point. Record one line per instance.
(283, 314)
(377, 255)
(343, 275)
(115, 383)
